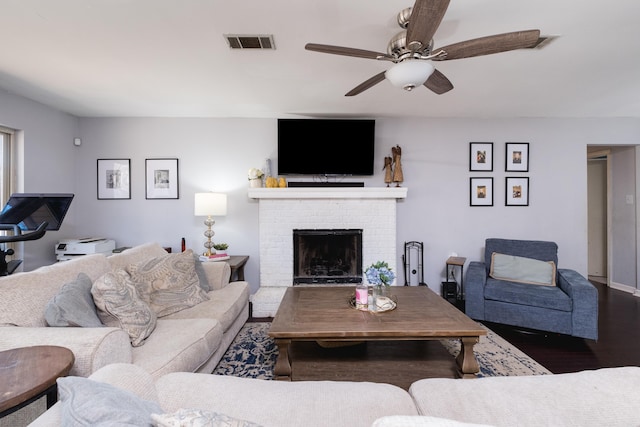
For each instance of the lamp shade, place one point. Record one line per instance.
(210, 204)
(409, 73)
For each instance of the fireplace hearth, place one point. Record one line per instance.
(327, 256)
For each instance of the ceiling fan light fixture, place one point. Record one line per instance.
(409, 73)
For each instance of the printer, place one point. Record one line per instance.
(71, 248)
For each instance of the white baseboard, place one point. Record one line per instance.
(625, 288)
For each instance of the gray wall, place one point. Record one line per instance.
(215, 154)
(45, 140)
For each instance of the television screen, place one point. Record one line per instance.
(28, 211)
(325, 146)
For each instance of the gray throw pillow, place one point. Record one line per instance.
(202, 276)
(85, 402)
(73, 305)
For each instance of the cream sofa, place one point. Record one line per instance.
(589, 398)
(191, 340)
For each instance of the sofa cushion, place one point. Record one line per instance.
(87, 402)
(73, 305)
(178, 345)
(225, 305)
(522, 270)
(199, 417)
(521, 293)
(168, 283)
(120, 305)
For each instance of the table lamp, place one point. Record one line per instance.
(210, 204)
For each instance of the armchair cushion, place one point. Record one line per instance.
(522, 270)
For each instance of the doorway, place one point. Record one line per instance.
(598, 215)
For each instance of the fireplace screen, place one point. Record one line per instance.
(327, 256)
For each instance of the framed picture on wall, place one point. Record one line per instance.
(113, 179)
(161, 179)
(481, 192)
(517, 191)
(517, 157)
(481, 156)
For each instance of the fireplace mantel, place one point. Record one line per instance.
(329, 193)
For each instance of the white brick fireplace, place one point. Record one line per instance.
(373, 210)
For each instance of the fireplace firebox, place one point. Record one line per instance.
(327, 256)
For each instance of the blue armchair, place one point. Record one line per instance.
(570, 307)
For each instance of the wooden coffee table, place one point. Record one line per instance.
(324, 314)
(28, 373)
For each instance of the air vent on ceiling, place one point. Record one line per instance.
(247, 41)
(543, 41)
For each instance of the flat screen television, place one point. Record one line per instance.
(29, 210)
(326, 146)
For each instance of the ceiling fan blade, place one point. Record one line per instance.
(425, 19)
(346, 51)
(489, 45)
(366, 84)
(438, 83)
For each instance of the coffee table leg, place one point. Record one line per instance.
(282, 370)
(467, 364)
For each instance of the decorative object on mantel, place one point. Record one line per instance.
(210, 204)
(255, 177)
(271, 182)
(388, 160)
(379, 274)
(282, 182)
(398, 176)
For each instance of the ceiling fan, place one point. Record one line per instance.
(412, 50)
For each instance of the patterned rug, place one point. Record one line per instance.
(253, 354)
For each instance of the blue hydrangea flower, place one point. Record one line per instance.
(379, 273)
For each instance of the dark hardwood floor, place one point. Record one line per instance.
(618, 343)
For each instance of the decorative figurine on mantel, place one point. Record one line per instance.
(398, 177)
(387, 170)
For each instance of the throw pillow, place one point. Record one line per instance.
(85, 402)
(168, 283)
(522, 270)
(73, 305)
(119, 305)
(202, 276)
(198, 418)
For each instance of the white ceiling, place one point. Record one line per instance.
(169, 58)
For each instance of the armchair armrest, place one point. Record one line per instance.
(474, 282)
(93, 348)
(584, 297)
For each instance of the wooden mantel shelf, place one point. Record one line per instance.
(329, 193)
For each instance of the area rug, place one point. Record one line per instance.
(253, 354)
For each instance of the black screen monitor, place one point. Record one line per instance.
(28, 211)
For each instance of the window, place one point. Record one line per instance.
(6, 170)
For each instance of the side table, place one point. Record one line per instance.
(28, 373)
(237, 263)
(452, 262)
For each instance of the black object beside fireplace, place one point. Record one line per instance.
(327, 256)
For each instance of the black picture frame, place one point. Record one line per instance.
(480, 191)
(162, 180)
(516, 191)
(516, 157)
(481, 156)
(113, 179)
